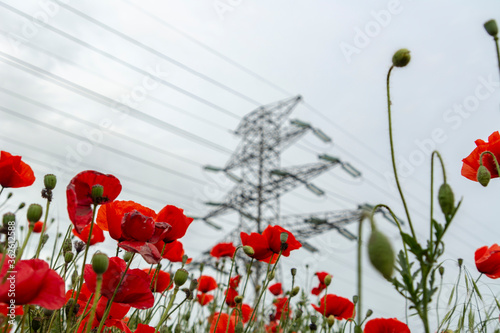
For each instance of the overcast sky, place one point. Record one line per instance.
(78, 95)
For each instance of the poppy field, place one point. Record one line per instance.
(148, 284)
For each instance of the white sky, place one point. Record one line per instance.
(298, 47)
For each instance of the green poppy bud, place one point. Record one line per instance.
(369, 313)
(270, 276)
(180, 277)
(314, 319)
(100, 263)
(34, 213)
(68, 257)
(127, 256)
(293, 271)
(355, 299)
(248, 250)
(460, 262)
(328, 280)
(441, 270)
(446, 199)
(380, 253)
(67, 246)
(21, 206)
(491, 28)
(483, 175)
(401, 58)
(50, 181)
(239, 327)
(238, 299)
(8, 218)
(358, 329)
(295, 290)
(330, 320)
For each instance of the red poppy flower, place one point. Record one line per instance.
(246, 312)
(206, 283)
(268, 245)
(230, 295)
(141, 328)
(471, 162)
(14, 172)
(339, 307)
(234, 282)
(177, 220)
(78, 194)
(97, 234)
(161, 280)
(133, 226)
(37, 228)
(173, 251)
(488, 261)
(223, 250)
(16, 311)
(35, 283)
(383, 325)
(322, 286)
(134, 289)
(204, 299)
(282, 306)
(114, 319)
(226, 323)
(276, 289)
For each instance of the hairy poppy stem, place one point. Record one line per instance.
(494, 160)
(166, 312)
(434, 153)
(40, 241)
(498, 52)
(97, 295)
(392, 155)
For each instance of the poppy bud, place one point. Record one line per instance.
(45, 238)
(127, 256)
(314, 319)
(36, 324)
(330, 320)
(369, 313)
(180, 277)
(446, 199)
(460, 262)
(68, 257)
(355, 299)
(328, 280)
(483, 175)
(50, 181)
(295, 290)
(238, 299)
(283, 237)
(491, 28)
(293, 271)
(239, 327)
(74, 277)
(10, 195)
(401, 58)
(193, 285)
(34, 213)
(184, 259)
(441, 270)
(270, 276)
(248, 250)
(79, 246)
(67, 246)
(100, 263)
(21, 206)
(358, 329)
(8, 217)
(380, 253)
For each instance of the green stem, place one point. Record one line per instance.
(40, 241)
(97, 295)
(393, 159)
(494, 160)
(360, 270)
(166, 312)
(110, 302)
(434, 153)
(498, 52)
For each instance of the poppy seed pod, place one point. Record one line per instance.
(97, 192)
(295, 290)
(283, 237)
(180, 277)
(49, 181)
(100, 263)
(369, 313)
(248, 250)
(483, 175)
(34, 213)
(491, 28)
(446, 199)
(381, 253)
(401, 58)
(355, 299)
(68, 257)
(293, 271)
(8, 218)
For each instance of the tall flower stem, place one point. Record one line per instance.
(360, 269)
(97, 295)
(393, 159)
(39, 248)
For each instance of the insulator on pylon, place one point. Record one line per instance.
(351, 170)
(329, 158)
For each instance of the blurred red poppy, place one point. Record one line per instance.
(234, 282)
(78, 195)
(206, 283)
(223, 250)
(173, 251)
(35, 283)
(471, 162)
(488, 261)
(97, 234)
(230, 295)
(134, 289)
(161, 281)
(339, 307)
(383, 325)
(37, 228)
(114, 319)
(268, 245)
(14, 172)
(226, 323)
(322, 286)
(282, 308)
(246, 312)
(276, 289)
(177, 220)
(141, 328)
(204, 299)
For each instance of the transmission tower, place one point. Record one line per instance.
(255, 166)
